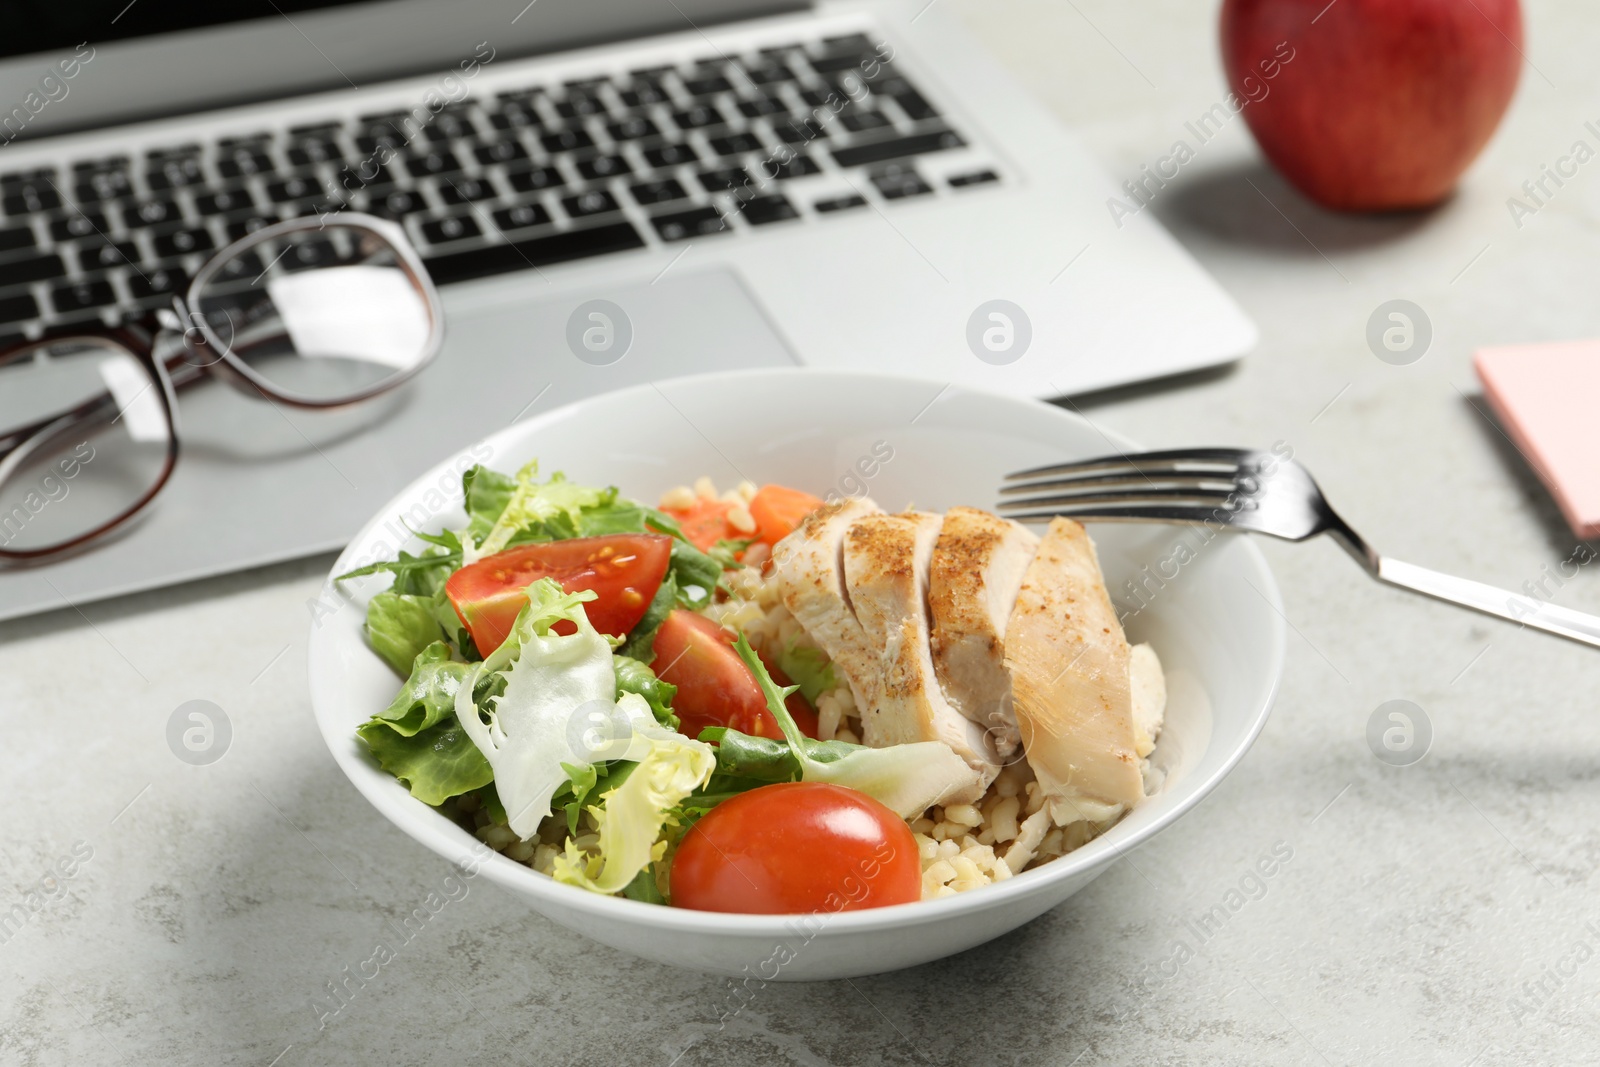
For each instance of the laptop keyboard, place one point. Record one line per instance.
(524, 179)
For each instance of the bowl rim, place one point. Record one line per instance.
(440, 835)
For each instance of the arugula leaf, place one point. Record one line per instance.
(429, 695)
(726, 549)
(436, 764)
(420, 575)
(907, 779)
(695, 573)
(766, 759)
(644, 887)
(634, 677)
(810, 669)
(486, 494)
(400, 626)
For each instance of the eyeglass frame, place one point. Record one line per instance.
(140, 339)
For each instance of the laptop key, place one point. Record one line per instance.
(862, 121)
(762, 105)
(19, 308)
(451, 228)
(896, 148)
(310, 153)
(915, 105)
(397, 204)
(796, 166)
(839, 203)
(80, 224)
(462, 190)
(173, 173)
(685, 224)
(106, 256)
(499, 152)
(602, 167)
(296, 188)
(162, 281)
(533, 252)
(761, 210)
(798, 131)
(715, 181)
(521, 217)
(32, 269)
(29, 198)
(241, 228)
(708, 86)
(769, 73)
(531, 181)
(226, 202)
(658, 192)
(977, 177)
(182, 242)
(632, 128)
(735, 144)
(241, 163)
(433, 163)
(82, 296)
(103, 185)
(696, 118)
(643, 94)
(16, 238)
(896, 183)
(671, 155)
(590, 202)
(567, 140)
(514, 116)
(151, 213)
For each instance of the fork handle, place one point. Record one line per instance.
(1577, 625)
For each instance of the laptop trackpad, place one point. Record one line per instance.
(590, 341)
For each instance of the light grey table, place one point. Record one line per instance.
(1439, 913)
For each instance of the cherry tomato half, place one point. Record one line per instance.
(796, 847)
(715, 688)
(624, 569)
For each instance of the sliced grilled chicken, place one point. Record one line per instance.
(1069, 662)
(886, 562)
(973, 579)
(810, 573)
(1148, 690)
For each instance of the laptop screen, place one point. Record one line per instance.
(80, 64)
(51, 25)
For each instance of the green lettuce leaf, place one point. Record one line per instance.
(543, 511)
(429, 695)
(400, 626)
(436, 763)
(486, 494)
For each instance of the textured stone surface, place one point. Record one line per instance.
(1418, 908)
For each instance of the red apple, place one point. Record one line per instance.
(1384, 102)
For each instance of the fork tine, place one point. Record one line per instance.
(1114, 482)
(1218, 460)
(1163, 512)
(1078, 501)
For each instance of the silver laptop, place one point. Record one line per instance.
(927, 218)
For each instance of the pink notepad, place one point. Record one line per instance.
(1547, 396)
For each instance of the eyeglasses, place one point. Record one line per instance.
(309, 313)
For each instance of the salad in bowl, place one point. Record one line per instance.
(759, 700)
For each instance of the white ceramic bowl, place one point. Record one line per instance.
(1221, 640)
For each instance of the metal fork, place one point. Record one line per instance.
(1262, 492)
